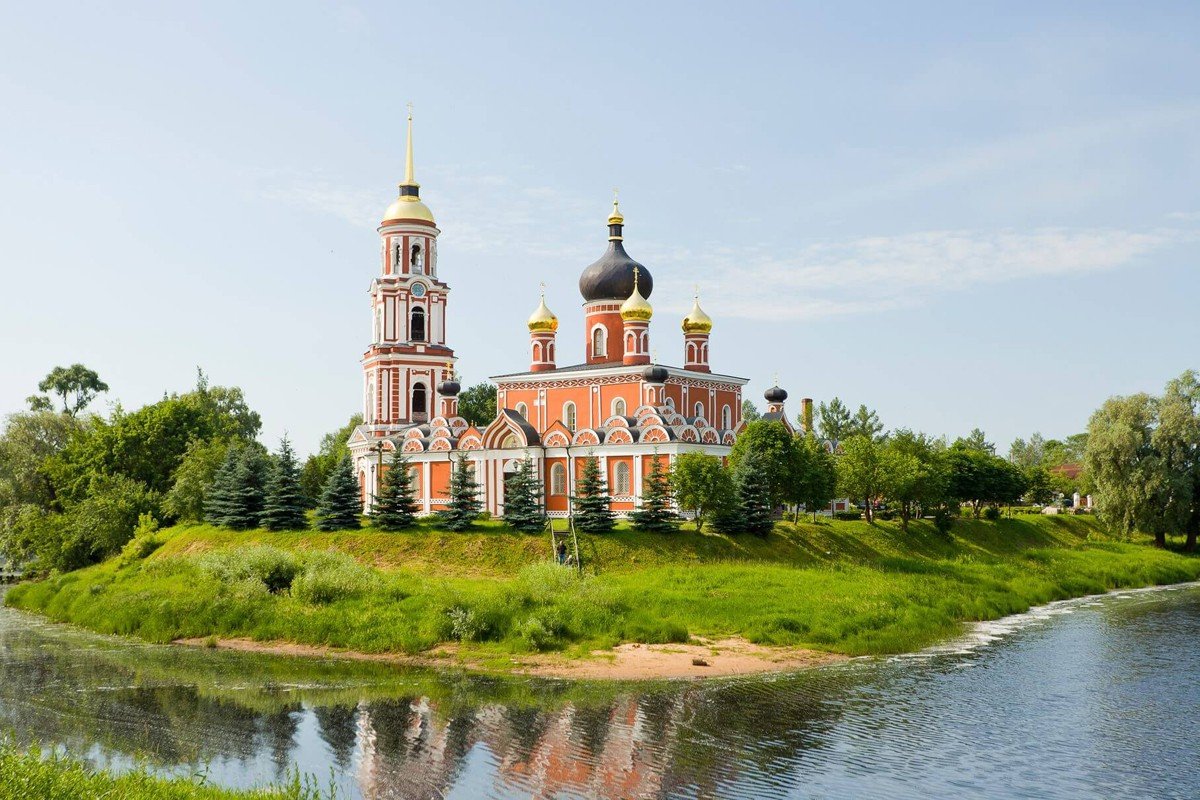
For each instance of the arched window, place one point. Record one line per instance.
(691, 353)
(417, 328)
(558, 479)
(630, 347)
(379, 323)
(419, 404)
(618, 407)
(621, 478)
(699, 409)
(523, 410)
(550, 352)
(399, 267)
(598, 341)
(726, 418)
(704, 352)
(416, 261)
(671, 403)
(569, 416)
(537, 351)
(370, 411)
(510, 442)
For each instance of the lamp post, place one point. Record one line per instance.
(378, 448)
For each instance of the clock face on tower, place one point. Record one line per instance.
(418, 290)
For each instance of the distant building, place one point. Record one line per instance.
(615, 405)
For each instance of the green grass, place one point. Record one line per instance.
(48, 776)
(846, 587)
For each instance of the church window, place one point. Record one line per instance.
(523, 410)
(726, 418)
(558, 479)
(417, 328)
(537, 351)
(399, 267)
(417, 262)
(671, 403)
(598, 341)
(569, 416)
(419, 404)
(550, 352)
(691, 353)
(699, 409)
(630, 346)
(621, 478)
(618, 407)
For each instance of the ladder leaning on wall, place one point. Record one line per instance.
(554, 537)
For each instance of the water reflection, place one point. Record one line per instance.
(1066, 706)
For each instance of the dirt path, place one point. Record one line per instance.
(628, 662)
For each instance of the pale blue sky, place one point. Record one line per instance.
(962, 214)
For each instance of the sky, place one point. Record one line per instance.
(960, 214)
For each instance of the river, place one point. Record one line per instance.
(1097, 697)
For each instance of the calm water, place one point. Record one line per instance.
(1091, 698)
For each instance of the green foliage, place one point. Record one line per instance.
(29, 441)
(97, 527)
(750, 411)
(523, 500)
(49, 775)
(185, 500)
(463, 506)
(860, 471)
(656, 514)
(778, 468)
(477, 404)
(1038, 488)
(283, 501)
(317, 467)
(977, 477)
(331, 577)
(395, 507)
(915, 476)
(816, 481)
(834, 421)
(274, 569)
(76, 387)
(235, 497)
(592, 506)
(340, 507)
(976, 442)
(702, 485)
(991, 513)
(866, 423)
(751, 509)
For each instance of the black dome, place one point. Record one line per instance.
(611, 277)
(449, 388)
(654, 374)
(775, 395)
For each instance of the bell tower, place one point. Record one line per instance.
(403, 367)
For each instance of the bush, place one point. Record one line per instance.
(991, 513)
(329, 577)
(943, 520)
(847, 515)
(273, 568)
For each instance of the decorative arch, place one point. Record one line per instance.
(656, 434)
(505, 426)
(689, 434)
(442, 444)
(537, 351)
(523, 410)
(709, 436)
(621, 478)
(728, 439)
(619, 407)
(558, 479)
(420, 399)
(726, 417)
(557, 439)
(586, 436)
(698, 410)
(691, 352)
(414, 446)
(619, 436)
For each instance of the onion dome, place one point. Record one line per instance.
(635, 306)
(408, 205)
(775, 395)
(654, 374)
(611, 276)
(697, 321)
(542, 319)
(449, 387)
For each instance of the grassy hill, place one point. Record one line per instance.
(846, 587)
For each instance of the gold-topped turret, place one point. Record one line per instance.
(636, 307)
(696, 320)
(408, 205)
(543, 319)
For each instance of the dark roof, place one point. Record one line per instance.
(531, 434)
(611, 276)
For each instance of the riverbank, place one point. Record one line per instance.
(489, 600)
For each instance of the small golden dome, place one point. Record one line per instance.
(616, 217)
(636, 306)
(543, 319)
(697, 321)
(408, 207)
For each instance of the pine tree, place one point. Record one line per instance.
(464, 506)
(750, 510)
(395, 508)
(340, 507)
(283, 506)
(219, 495)
(656, 514)
(593, 506)
(523, 500)
(245, 504)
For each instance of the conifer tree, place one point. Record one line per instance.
(750, 508)
(218, 499)
(283, 506)
(464, 506)
(656, 513)
(245, 504)
(523, 500)
(395, 507)
(593, 506)
(340, 508)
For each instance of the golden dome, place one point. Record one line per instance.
(408, 207)
(636, 307)
(697, 321)
(616, 217)
(543, 319)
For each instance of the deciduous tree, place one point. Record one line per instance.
(477, 404)
(860, 472)
(702, 485)
(76, 386)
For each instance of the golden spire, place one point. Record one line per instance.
(409, 179)
(616, 218)
(636, 307)
(696, 320)
(542, 319)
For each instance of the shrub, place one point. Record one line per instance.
(943, 520)
(991, 513)
(847, 515)
(273, 568)
(329, 577)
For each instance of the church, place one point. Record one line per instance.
(616, 405)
